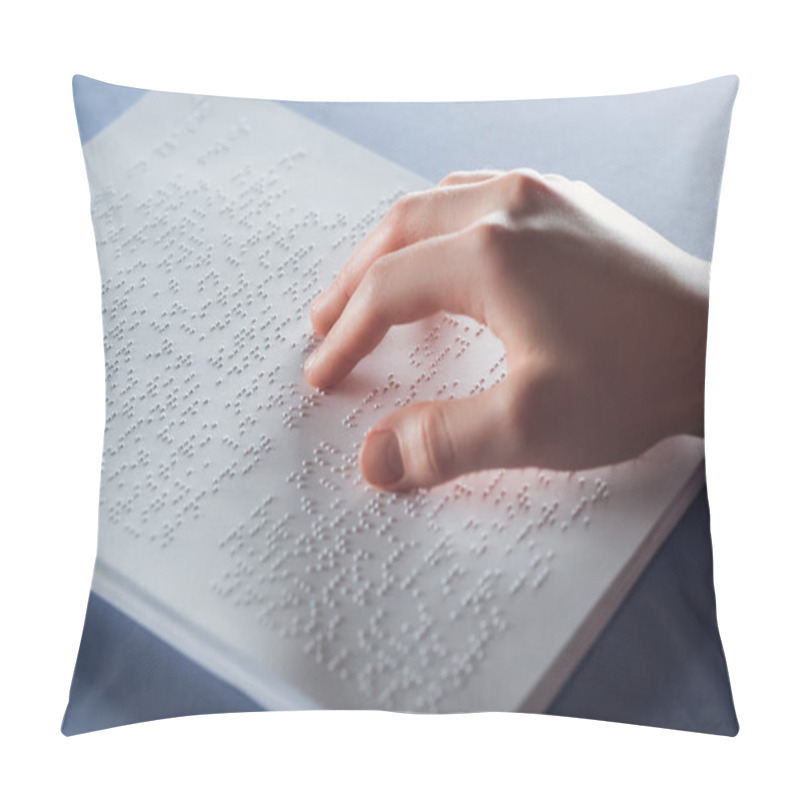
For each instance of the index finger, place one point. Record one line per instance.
(456, 203)
(438, 274)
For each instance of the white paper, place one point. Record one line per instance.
(234, 521)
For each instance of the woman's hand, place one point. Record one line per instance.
(602, 319)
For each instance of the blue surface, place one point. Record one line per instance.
(433, 139)
(97, 104)
(660, 660)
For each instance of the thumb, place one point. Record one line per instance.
(429, 443)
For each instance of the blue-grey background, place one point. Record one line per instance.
(660, 660)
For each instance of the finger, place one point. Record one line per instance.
(429, 443)
(416, 216)
(329, 304)
(408, 285)
(476, 176)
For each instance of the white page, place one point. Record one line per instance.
(234, 522)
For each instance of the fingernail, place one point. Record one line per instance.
(382, 462)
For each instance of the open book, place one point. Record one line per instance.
(234, 522)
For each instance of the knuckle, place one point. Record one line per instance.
(493, 236)
(493, 241)
(372, 290)
(396, 221)
(400, 217)
(530, 195)
(524, 189)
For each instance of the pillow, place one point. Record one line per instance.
(244, 563)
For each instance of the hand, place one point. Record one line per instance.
(602, 319)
